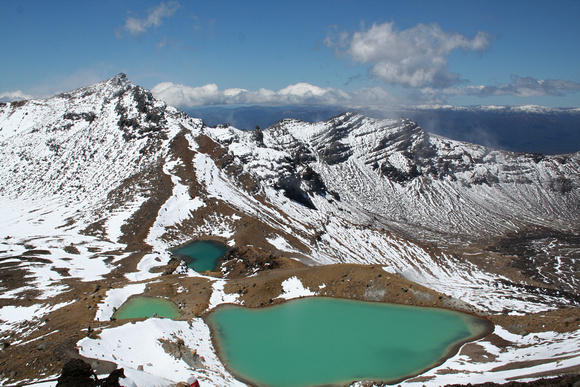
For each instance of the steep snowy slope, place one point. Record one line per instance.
(394, 171)
(358, 176)
(74, 169)
(97, 184)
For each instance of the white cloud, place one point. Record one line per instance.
(17, 95)
(416, 57)
(297, 94)
(186, 96)
(303, 90)
(138, 26)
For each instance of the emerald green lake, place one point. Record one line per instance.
(201, 255)
(143, 306)
(317, 340)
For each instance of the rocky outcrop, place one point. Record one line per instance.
(77, 372)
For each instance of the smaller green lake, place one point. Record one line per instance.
(326, 341)
(144, 306)
(201, 255)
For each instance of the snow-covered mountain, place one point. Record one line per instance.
(391, 175)
(529, 128)
(98, 183)
(395, 172)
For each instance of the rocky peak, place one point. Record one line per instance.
(56, 145)
(120, 79)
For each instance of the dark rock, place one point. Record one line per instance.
(113, 379)
(77, 373)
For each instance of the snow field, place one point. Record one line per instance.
(137, 344)
(551, 350)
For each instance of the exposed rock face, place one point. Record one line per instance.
(246, 261)
(395, 170)
(177, 349)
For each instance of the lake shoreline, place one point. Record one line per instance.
(487, 329)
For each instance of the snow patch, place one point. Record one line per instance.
(138, 344)
(118, 217)
(11, 316)
(280, 243)
(146, 263)
(219, 296)
(293, 288)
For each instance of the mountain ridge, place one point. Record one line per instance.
(532, 129)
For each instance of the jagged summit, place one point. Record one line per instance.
(115, 85)
(120, 79)
(403, 173)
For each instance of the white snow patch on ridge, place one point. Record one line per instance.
(280, 243)
(219, 296)
(178, 206)
(118, 217)
(12, 316)
(293, 288)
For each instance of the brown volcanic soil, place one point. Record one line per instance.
(46, 345)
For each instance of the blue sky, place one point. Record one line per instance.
(196, 53)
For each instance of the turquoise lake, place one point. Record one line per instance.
(143, 306)
(201, 255)
(320, 341)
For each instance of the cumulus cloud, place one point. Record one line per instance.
(297, 94)
(17, 95)
(416, 57)
(136, 26)
(187, 96)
